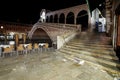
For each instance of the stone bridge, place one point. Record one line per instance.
(63, 21)
(53, 30)
(69, 15)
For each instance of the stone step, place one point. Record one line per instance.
(109, 68)
(100, 51)
(89, 44)
(95, 49)
(109, 61)
(91, 47)
(93, 54)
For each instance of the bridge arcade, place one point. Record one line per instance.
(73, 15)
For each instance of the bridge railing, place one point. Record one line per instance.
(61, 25)
(71, 27)
(56, 29)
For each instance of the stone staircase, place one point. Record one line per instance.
(93, 48)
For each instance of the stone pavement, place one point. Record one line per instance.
(83, 58)
(49, 66)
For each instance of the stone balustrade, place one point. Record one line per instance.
(54, 29)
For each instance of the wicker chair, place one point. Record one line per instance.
(20, 49)
(46, 46)
(8, 50)
(36, 47)
(29, 48)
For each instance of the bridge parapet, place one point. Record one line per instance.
(54, 29)
(59, 25)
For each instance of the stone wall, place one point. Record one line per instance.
(63, 39)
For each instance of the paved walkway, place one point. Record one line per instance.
(79, 60)
(49, 66)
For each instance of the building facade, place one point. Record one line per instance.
(8, 30)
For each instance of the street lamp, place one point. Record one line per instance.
(1, 33)
(1, 27)
(4, 32)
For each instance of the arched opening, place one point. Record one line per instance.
(56, 18)
(62, 18)
(40, 36)
(47, 19)
(82, 18)
(51, 18)
(70, 18)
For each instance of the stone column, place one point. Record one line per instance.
(90, 28)
(65, 19)
(5, 38)
(16, 40)
(24, 38)
(108, 16)
(75, 20)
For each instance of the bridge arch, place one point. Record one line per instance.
(70, 18)
(82, 18)
(62, 18)
(44, 28)
(51, 18)
(56, 18)
(63, 15)
(47, 19)
(41, 36)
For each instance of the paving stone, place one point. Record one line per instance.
(56, 65)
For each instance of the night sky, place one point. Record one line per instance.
(27, 11)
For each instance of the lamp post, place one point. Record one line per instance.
(1, 29)
(1, 34)
(5, 35)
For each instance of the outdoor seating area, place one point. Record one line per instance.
(22, 49)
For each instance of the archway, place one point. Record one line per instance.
(56, 18)
(62, 18)
(70, 18)
(51, 18)
(82, 18)
(47, 19)
(40, 36)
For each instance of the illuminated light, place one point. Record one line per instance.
(43, 16)
(11, 42)
(12, 33)
(1, 27)
(100, 4)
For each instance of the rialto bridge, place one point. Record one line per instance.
(61, 21)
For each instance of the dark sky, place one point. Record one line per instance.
(27, 11)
